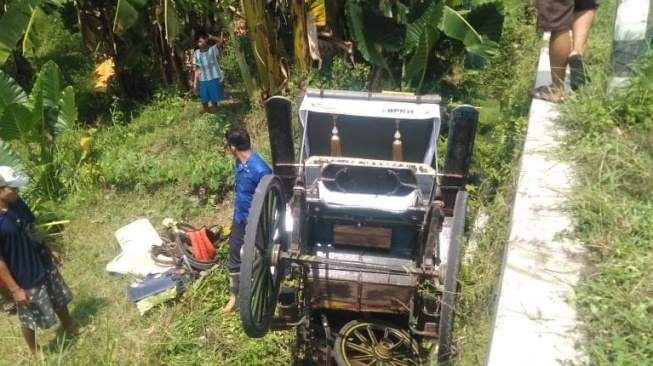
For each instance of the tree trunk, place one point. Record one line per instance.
(335, 17)
(248, 79)
(266, 46)
(298, 14)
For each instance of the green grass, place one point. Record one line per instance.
(170, 156)
(610, 144)
(133, 180)
(612, 209)
(499, 139)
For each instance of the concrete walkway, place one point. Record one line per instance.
(534, 320)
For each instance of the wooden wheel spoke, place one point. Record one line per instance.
(363, 348)
(359, 343)
(372, 336)
(258, 262)
(273, 220)
(399, 363)
(405, 355)
(260, 292)
(359, 358)
(362, 339)
(260, 239)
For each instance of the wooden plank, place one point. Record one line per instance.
(363, 236)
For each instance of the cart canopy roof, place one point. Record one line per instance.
(367, 122)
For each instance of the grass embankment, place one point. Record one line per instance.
(154, 168)
(610, 143)
(170, 157)
(501, 92)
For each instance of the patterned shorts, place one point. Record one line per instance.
(44, 300)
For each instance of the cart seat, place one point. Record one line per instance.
(386, 203)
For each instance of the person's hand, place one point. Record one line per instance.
(194, 89)
(221, 77)
(58, 258)
(20, 296)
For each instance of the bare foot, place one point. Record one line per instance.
(38, 356)
(76, 330)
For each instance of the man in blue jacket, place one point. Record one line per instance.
(250, 168)
(28, 266)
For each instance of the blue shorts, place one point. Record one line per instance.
(211, 91)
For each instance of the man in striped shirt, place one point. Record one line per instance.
(208, 73)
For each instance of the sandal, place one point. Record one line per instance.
(577, 75)
(546, 93)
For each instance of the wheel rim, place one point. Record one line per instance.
(451, 269)
(260, 271)
(374, 343)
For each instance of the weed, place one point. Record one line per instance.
(609, 142)
(498, 143)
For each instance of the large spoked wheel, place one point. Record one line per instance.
(363, 342)
(261, 269)
(447, 310)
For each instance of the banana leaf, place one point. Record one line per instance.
(172, 23)
(10, 92)
(8, 157)
(127, 12)
(479, 48)
(419, 18)
(373, 33)
(417, 63)
(454, 25)
(67, 115)
(37, 29)
(15, 123)
(13, 25)
(487, 19)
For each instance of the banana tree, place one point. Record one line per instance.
(37, 119)
(21, 15)
(298, 10)
(268, 51)
(414, 32)
(228, 21)
(10, 93)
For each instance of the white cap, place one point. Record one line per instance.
(9, 177)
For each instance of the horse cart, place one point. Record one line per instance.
(355, 240)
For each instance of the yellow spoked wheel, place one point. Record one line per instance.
(363, 342)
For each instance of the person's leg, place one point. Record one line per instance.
(30, 338)
(69, 326)
(584, 11)
(236, 240)
(555, 16)
(36, 313)
(60, 295)
(204, 96)
(559, 48)
(215, 94)
(581, 29)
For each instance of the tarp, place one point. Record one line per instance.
(136, 241)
